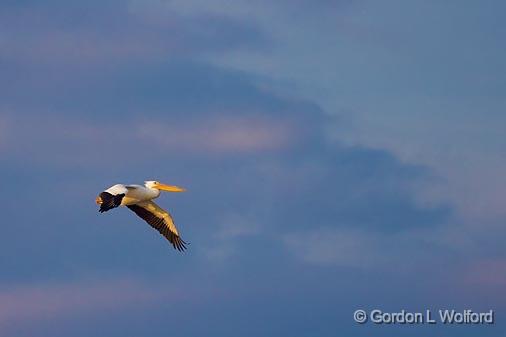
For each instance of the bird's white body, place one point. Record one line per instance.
(134, 194)
(138, 199)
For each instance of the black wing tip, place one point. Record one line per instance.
(110, 201)
(179, 244)
(105, 209)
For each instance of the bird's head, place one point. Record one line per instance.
(162, 187)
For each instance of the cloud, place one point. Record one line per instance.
(4, 127)
(229, 234)
(489, 272)
(224, 135)
(363, 249)
(72, 142)
(110, 35)
(344, 247)
(236, 226)
(182, 108)
(240, 147)
(55, 301)
(261, 10)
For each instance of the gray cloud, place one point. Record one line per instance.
(111, 33)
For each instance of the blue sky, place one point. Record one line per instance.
(337, 155)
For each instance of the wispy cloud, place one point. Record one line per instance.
(4, 127)
(236, 226)
(228, 234)
(104, 35)
(58, 300)
(345, 247)
(73, 142)
(223, 135)
(489, 272)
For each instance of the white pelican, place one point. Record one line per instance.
(140, 200)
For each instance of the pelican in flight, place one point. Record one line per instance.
(139, 199)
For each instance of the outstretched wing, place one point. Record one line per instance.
(160, 220)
